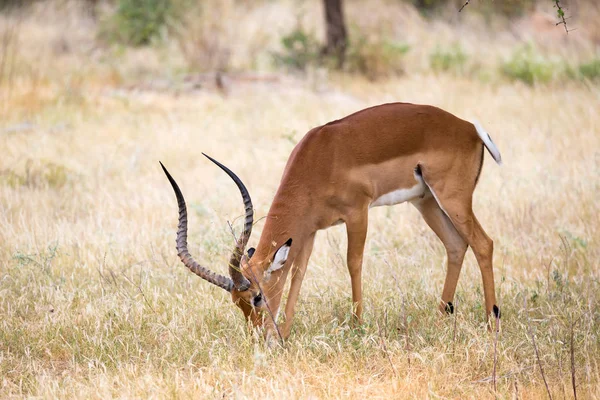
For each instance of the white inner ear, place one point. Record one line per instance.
(280, 258)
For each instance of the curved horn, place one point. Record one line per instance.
(240, 281)
(182, 249)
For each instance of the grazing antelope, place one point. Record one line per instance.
(380, 156)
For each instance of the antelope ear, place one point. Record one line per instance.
(281, 256)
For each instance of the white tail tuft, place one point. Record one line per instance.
(487, 141)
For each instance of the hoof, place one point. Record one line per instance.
(496, 311)
(446, 308)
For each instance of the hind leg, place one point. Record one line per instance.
(457, 205)
(455, 245)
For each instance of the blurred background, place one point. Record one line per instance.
(178, 44)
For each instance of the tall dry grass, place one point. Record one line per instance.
(94, 304)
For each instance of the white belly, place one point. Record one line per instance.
(401, 195)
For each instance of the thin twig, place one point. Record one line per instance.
(385, 349)
(496, 351)
(560, 377)
(232, 232)
(262, 294)
(406, 335)
(102, 277)
(464, 5)
(406, 331)
(548, 268)
(454, 324)
(114, 277)
(573, 383)
(139, 288)
(8, 49)
(561, 15)
(505, 376)
(537, 354)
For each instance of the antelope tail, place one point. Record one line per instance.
(488, 143)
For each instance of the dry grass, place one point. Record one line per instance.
(94, 304)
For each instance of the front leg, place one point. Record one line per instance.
(298, 271)
(356, 229)
(273, 289)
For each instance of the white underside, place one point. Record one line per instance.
(401, 195)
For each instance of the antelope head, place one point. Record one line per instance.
(245, 275)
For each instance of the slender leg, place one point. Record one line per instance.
(457, 205)
(461, 214)
(273, 290)
(356, 229)
(483, 247)
(455, 245)
(298, 271)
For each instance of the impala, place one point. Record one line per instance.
(380, 156)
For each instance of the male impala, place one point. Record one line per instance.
(383, 155)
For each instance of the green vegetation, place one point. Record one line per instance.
(207, 44)
(137, 22)
(590, 70)
(505, 8)
(452, 59)
(375, 56)
(300, 49)
(39, 174)
(529, 67)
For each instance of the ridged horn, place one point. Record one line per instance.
(182, 248)
(239, 280)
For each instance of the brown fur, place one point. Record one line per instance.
(337, 170)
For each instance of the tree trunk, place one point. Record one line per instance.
(337, 38)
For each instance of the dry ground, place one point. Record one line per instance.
(94, 303)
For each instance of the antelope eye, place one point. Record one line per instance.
(257, 300)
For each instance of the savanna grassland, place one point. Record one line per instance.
(94, 302)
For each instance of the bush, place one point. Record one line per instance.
(137, 22)
(507, 8)
(452, 59)
(528, 67)
(38, 174)
(590, 70)
(15, 4)
(375, 56)
(209, 41)
(428, 7)
(300, 49)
